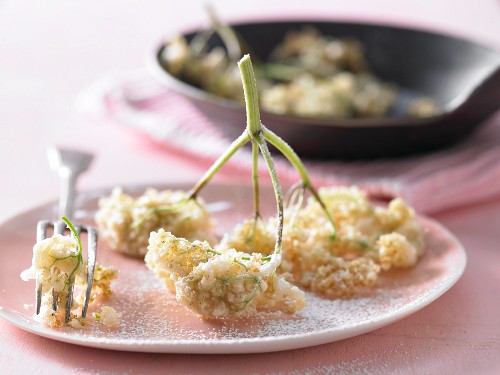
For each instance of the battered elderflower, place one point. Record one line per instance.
(369, 240)
(125, 222)
(220, 284)
(56, 262)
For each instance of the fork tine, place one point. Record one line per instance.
(38, 296)
(59, 227)
(41, 234)
(69, 301)
(91, 257)
(41, 230)
(71, 287)
(55, 297)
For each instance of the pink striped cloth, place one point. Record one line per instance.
(465, 174)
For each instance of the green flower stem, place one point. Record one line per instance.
(219, 163)
(256, 190)
(277, 191)
(79, 252)
(205, 179)
(75, 233)
(294, 159)
(255, 179)
(296, 200)
(259, 136)
(255, 130)
(289, 153)
(254, 127)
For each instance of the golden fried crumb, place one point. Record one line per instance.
(125, 222)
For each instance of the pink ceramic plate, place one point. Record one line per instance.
(153, 321)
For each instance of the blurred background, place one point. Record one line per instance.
(51, 50)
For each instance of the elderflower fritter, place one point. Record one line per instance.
(221, 284)
(125, 222)
(395, 250)
(222, 287)
(368, 240)
(400, 218)
(250, 236)
(340, 278)
(103, 276)
(348, 205)
(108, 316)
(281, 295)
(170, 257)
(56, 261)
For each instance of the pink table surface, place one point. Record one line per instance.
(50, 51)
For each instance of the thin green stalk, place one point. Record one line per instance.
(79, 252)
(277, 190)
(255, 179)
(259, 136)
(294, 159)
(289, 153)
(219, 163)
(296, 201)
(209, 174)
(255, 130)
(253, 121)
(256, 190)
(72, 228)
(254, 127)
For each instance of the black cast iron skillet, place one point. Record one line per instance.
(461, 76)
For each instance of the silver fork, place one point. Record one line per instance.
(69, 164)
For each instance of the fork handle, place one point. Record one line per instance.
(69, 164)
(67, 192)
